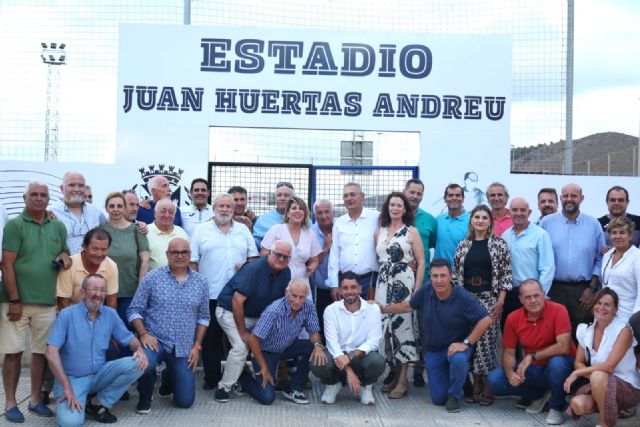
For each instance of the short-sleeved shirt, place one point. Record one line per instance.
(218, 253)
(427, 226)
(263, 223)
(276, 328)
(83, 343)
(91, 217)
(70, 281)
(451, 231)
(149, 215)
(159, 242)
(449, 320)
(126, 245)
(540, 334)
(257, 282)
(36, 246)
(306, 248)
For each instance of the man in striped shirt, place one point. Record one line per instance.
(275, 338)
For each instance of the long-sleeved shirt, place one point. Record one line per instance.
(576, 246)
(171, 310)
(531, 255)
(346, 331)
(353, 245)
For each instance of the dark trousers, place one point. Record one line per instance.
(300, 350)
(568, 294)
(367, 368)
(323, 300)
(212, 348)
(511, 304)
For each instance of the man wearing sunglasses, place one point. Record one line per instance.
(242, 301)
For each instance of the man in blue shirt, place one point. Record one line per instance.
(456, 321)
(531, 254)
(170, 314)
(577, 241)
(275, 338)
(452, 226)
(76, 353)
(159, 189)
(284, 193)
(242, 301)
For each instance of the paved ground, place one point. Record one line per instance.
(414, 410)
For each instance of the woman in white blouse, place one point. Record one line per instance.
(605, 358)
(621, 267)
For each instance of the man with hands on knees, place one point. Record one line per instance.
(456, 320)
(76, 353)
(275, 338)
(170, 314)
(352, 330)
(543, 328)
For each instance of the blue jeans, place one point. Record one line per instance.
(539, 378)
(300, 350)
(181, 379)
(447, 374)
(109, 383)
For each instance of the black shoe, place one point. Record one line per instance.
(144, 405)
(389, 378)
(126, 396)
(523, 403)
(452, 404)
(418, 380)
(165, 389)
(207, 386)
(221, 395)
(100, 414)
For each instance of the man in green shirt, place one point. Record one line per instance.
(426, 225)
(34, 246)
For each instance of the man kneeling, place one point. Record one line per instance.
(76, 353)
(275, 338)
(352, 331)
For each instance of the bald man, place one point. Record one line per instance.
(577, 241)
(531, 254)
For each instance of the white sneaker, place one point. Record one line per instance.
(366, 395)
(330, 393)
(538, 405)
(555, 417)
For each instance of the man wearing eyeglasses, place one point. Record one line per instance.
(284, 193)
(76, 353)
(242, 301)
(170, 314)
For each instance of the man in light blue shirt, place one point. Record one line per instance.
(531, 254)
(284, 193)
(453, 226)
(577, 241)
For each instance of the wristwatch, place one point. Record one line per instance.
(533, 355)
(466, 341)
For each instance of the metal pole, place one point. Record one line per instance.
(568, 153)
(187, 12)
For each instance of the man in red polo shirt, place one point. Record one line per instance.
(543, 329)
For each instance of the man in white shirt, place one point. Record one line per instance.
(199, 210)
(218, 249)
(353, 247)
(352, 332)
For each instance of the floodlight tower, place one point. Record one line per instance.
(54, 55)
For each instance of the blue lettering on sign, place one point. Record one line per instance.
(226, 100)
(359, 59)
(290, 102)
(494, 107)
(213, 52)
(471, 107)
(419, 53)
(320, 61)
(352, 104)
(451, 107)
(250, 61)
(285, 51)
(383, 106)
(249, 100)
(387, 52)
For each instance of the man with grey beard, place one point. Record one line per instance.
(218, 249)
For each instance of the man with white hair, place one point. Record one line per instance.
(242, 301)
(323, 211)
(219, 248)
(160, 189)
(161, 232)
(77, 215)
(275, 338)
(284, 193)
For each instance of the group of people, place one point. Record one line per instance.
(108, 298)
